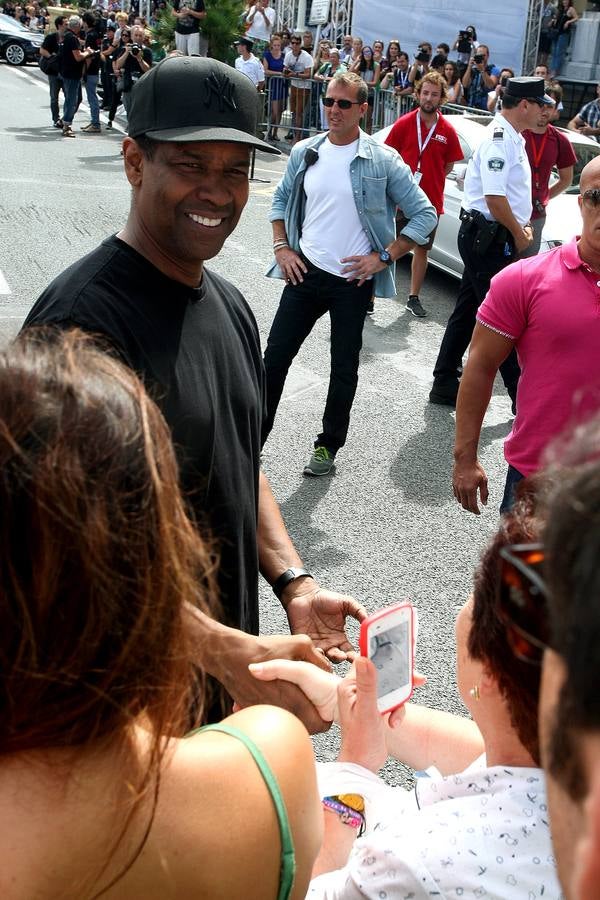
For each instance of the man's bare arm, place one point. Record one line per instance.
(488, 350)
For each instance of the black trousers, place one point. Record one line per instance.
(299, 308)
(474, 285)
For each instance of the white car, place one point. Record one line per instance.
(563, 219)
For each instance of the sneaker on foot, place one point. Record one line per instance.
(109, 124)
(91, 129)
(413, 304)
(59, 123)
(320, 463)
(443, 394)
(68, 131)
(370, 307)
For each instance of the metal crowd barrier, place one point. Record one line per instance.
(292, 112)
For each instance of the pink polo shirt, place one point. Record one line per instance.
(549, 305)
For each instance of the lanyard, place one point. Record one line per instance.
(402, 78)
(537, 153)
(422, 146)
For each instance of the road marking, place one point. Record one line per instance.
(4, 288)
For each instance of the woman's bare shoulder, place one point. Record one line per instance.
(216, 818)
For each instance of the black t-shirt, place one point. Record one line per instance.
(189, 24)
(198, 352)
(69, 67)
(93, 39)
(51, 42)
(132, 71)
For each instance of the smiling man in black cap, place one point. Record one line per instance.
(194, 341)
(495, 227)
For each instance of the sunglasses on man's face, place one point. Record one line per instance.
(591, 198)
(343, 104)
(522, 601)
(294, 42)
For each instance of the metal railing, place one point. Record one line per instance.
(291, 112)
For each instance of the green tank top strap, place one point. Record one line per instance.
(288, 858)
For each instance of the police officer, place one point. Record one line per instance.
(494, 227)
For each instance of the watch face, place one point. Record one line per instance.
(385, 257)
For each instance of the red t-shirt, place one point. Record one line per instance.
(545, 151)
(442, 148)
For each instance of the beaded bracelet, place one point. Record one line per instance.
(347, 815)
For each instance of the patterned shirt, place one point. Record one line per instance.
(482, 833)
(590, 114)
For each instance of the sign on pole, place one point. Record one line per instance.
(319, 12)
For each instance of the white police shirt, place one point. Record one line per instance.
(500, 167)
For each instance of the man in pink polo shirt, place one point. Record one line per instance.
(548, 308)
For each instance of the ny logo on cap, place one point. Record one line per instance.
(222, 88)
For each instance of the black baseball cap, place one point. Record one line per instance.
(193, 98)
(528, 88)
(246, 42)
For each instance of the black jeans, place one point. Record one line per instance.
(55, 85)
(299, 308)
(474, 285)
(513, 477)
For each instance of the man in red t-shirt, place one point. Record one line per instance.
(430, 146)
(547, 147)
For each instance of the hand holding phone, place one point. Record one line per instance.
(387, 638)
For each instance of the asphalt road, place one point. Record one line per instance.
(384, 527)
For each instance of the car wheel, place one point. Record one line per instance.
(14, 54)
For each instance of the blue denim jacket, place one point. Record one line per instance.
(380, 182)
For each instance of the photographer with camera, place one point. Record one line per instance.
(133, 61)
(466, 45)
(420, 66)
(494, 103)
(93, 41)
(480, 78)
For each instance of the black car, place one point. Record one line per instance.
(18, 45)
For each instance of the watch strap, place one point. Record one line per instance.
(280, 583)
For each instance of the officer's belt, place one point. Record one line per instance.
(495, 232)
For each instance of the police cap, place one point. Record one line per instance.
(528, 88)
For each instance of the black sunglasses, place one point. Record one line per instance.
(343, 104)
(522, 601)
(295, 42)
(591, 198)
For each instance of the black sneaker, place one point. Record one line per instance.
(59, 124)
(443, 395)
(370, 307)
(413, 305)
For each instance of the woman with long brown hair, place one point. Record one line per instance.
(102, 794)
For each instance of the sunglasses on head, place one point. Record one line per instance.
(522, 601)
(343, 104)
(591, 198)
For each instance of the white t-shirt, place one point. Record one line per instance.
(331, 229)
(298, 64)
(259, 29)
(252, 68)
(482, 833)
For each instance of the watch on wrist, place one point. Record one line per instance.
(280, 583)
(386, 257)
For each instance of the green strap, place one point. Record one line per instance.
(288, 858)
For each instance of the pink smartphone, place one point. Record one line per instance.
(387, 638)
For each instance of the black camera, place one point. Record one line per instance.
(479, 58)
(135, 49)
(422, 56)
(504, 81)
(464, 43)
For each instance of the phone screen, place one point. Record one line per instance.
(389, 652)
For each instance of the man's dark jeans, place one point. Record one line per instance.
(55, 85)
(513, 477)
(474, 285)
(300, 307)
(72, 91)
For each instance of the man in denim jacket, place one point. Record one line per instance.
(343, 177)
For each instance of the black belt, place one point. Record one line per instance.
(472, 217)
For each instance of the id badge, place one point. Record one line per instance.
(417, 176)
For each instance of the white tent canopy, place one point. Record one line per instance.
(502, 26)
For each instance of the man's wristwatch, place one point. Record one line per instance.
(386, 257)
(280, 584)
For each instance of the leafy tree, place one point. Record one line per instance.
(221, 26)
